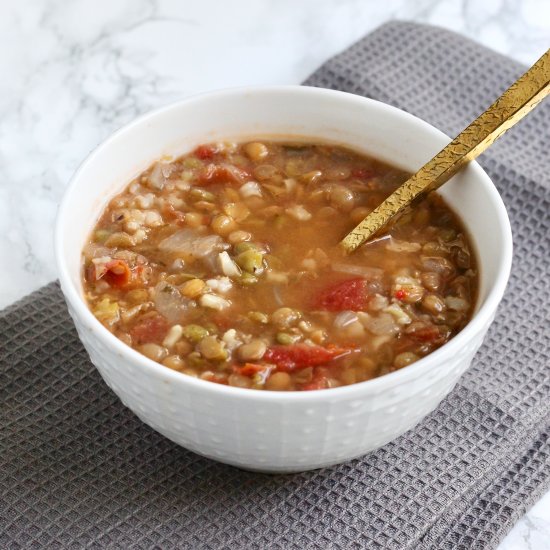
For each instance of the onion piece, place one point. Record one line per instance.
(231, 340)
(402, 246)
(221, 284)
(174, 335)
(345, 318)
(190, 245)
(250, 189)
(94, 250)
(213, 301)
(381, 324)
(228, 266)
(170, 303)
(364, 270)
(158, 175)
(166, 168)
(298, 212)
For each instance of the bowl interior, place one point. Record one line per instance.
(365, 125)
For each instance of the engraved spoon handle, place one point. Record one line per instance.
(522, 96)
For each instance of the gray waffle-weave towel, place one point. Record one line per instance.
(79, 470)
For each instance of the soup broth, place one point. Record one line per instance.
(223, 264)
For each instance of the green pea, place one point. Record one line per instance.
(194, 333)
(244, 246)
(251, 260)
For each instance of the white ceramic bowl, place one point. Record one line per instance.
(262, 430)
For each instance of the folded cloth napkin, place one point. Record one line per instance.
(77, 469)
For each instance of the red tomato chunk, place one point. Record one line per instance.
(223, 174)
(288, 358)
(206, 151)
(344, 295)
(150, 330)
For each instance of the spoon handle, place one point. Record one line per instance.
(522, 96)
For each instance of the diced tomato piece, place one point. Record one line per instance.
(362, 173)
(150, 330)
(118, 273)
(205, 152)
(428, 333)
(404, 343)
(318, 383)
(297, 356)
(350, 294)
(216, 378)
(249, 369)
(223, 173)
(171, 214)
(115, 272)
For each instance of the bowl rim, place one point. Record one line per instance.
(373, 386)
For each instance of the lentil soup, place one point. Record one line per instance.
(223, 264)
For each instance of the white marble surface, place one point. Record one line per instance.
(72, 72)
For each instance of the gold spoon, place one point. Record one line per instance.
(518, 100)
